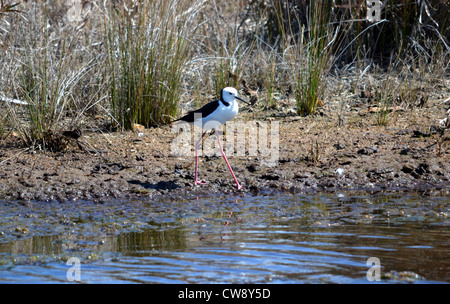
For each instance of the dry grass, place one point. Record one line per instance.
(74, 61)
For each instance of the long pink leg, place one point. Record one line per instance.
(196, 182)
(226, 160)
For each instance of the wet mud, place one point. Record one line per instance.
(325, 152)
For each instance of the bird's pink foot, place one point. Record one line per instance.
(202, 182)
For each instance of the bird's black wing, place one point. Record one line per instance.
(206, 110)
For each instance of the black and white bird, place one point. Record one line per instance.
(212, 116)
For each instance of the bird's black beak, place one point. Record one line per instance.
(243, 100)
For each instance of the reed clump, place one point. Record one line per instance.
(148, 47)
(44, 78)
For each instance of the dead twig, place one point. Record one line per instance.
(8, 8)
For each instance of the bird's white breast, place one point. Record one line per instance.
(221, 115)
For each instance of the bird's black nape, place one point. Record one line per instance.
(222, 99)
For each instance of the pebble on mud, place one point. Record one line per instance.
(368, 151)
(408, 276)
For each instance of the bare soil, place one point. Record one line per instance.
(336, 150)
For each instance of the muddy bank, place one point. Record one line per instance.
(332, 151)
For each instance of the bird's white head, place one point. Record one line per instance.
(229, 94)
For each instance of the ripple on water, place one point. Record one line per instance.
(245, 239)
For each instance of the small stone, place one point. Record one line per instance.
(253, 167)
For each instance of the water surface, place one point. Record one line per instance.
(285, 238)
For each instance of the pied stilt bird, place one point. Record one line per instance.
(211, 116)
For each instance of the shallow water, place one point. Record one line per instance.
(228, 239)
